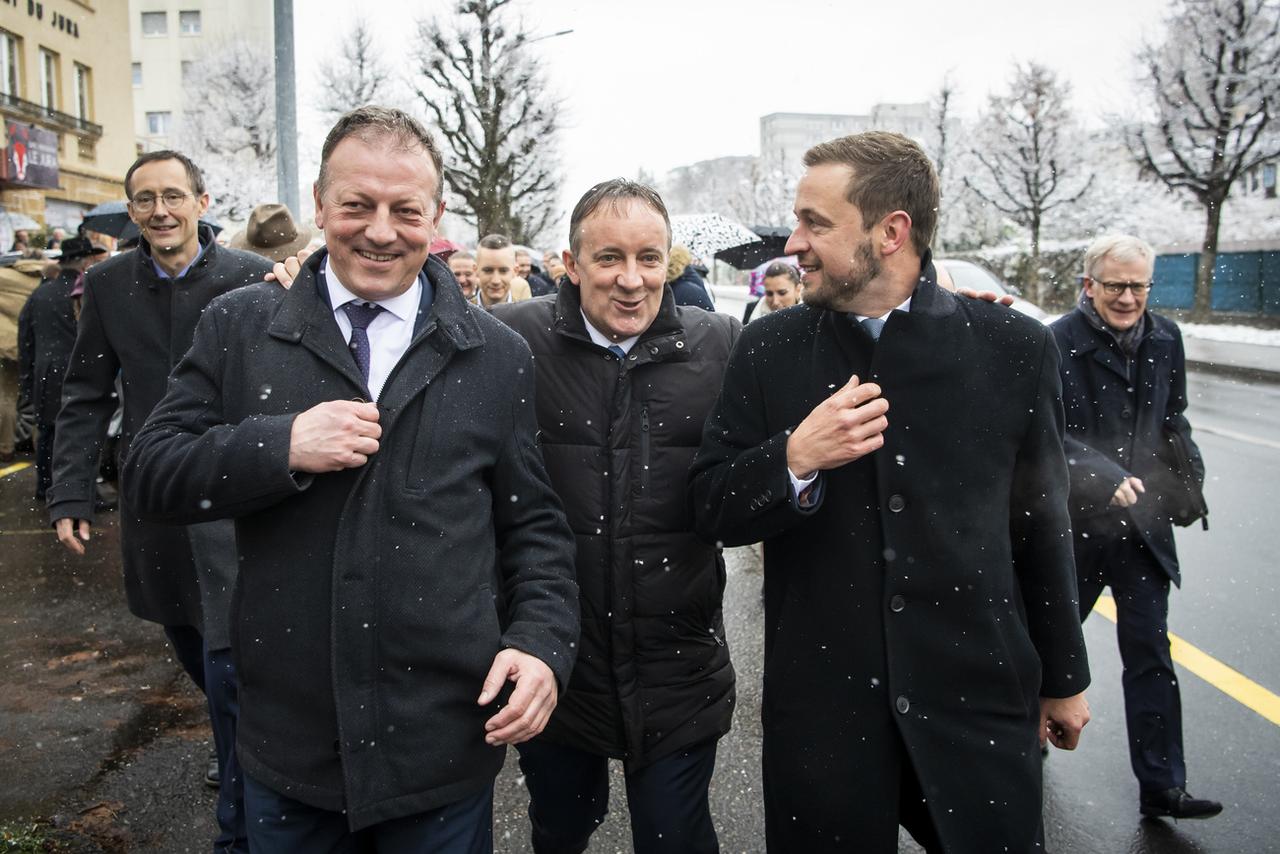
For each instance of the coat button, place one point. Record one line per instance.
(1126, 413)
(897, 603)
(903, 704)
(896, 503)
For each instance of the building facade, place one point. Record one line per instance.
(788, 136)
(66, 105)
(167, 37)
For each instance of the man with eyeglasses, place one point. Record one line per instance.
(137, 320)
(1124, 391)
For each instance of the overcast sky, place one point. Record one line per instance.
(664, 83)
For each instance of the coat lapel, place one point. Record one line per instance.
(305, 318)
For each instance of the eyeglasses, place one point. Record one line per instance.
(146, 202)
(1115, 289)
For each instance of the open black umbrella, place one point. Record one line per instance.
(746, 256)
(109, 218)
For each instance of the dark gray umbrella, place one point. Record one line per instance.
(747, 256)
(108, 218)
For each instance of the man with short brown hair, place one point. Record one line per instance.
(921, 634)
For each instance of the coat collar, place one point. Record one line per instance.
(664, 341)
(446, 322)
(1086, 340)
(146, 263)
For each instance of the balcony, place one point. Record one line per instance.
(57, 120)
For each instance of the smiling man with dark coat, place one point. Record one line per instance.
(899, 452)
(400, 560)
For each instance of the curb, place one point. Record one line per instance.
(1243, 372)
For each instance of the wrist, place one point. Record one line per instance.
(799, 466)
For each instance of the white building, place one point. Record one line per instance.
(166, 36)
(789, 135)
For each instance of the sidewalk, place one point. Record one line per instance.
(1258, 362)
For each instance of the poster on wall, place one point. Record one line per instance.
(31, 157)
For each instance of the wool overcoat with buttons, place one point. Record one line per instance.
(371, 601)
(921, 609)
(136, 324)
(1117, 411)
(653, 674)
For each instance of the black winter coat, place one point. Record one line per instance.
(691, 289)
(138, 324)
(930, 599)
(46, 336)
(372, 601)
(1117, 411)
(653, 674)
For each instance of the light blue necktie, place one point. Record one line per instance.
(617, 351)
(874, 326)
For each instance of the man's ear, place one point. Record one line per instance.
(571, 267)
(896, 231)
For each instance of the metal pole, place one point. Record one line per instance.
(286, 108)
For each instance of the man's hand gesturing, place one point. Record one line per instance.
(336, 435)
(848, 425)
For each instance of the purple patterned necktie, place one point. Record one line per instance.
(361, 315)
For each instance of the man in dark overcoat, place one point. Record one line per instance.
(403, 556)
(46, 336)
(137, 318)
(1124, 384)
(625, 381)
(898, 451)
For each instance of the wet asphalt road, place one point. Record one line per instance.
(100, 733)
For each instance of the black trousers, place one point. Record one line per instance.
(569, 798)
(280, 825)
(44, 459)
(1152, 701)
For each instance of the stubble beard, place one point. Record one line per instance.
(838, 294)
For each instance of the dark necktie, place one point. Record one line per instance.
(617, 351)
(874, 326)
(361, 315)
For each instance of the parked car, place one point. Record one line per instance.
(953, 274)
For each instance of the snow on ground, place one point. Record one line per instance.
(1231, 333)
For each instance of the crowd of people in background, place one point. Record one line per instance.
(476, 496)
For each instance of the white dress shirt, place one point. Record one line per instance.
(390, 333)
(598, 337)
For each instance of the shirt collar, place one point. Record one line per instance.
(599, 338)
(404, 306)
(199, 254)
(906, 306)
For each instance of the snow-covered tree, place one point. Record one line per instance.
(482, 85)
(766, 193)
(228, 127)
(1215, 81)
(1028, 152)
(359, 76)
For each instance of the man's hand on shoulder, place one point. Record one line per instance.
(1062, 719)
(335, 435)
(531, 702)
(286, 271)
(988, 296)
(68, 529)
(848, 425)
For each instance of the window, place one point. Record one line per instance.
(48, 79)
(155, 23)
(187, 65)
(1269, 180)
(84, 92)
(158, 123)
(10, 63)
(189, 23)
(137, 75)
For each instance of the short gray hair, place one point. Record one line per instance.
(372, 123)
(1119, 247)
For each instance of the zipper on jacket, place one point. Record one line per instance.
(644, 445)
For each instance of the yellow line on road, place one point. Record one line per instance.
(1231, 682)
(13, 469)
(31, 531)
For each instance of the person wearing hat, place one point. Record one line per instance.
(46, 334)
(272, 233)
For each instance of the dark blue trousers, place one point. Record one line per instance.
(1152, 701)
(223, 694)
(280, 825)
(569, 798)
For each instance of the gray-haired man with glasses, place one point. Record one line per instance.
(138, 318)
(1124, 391)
